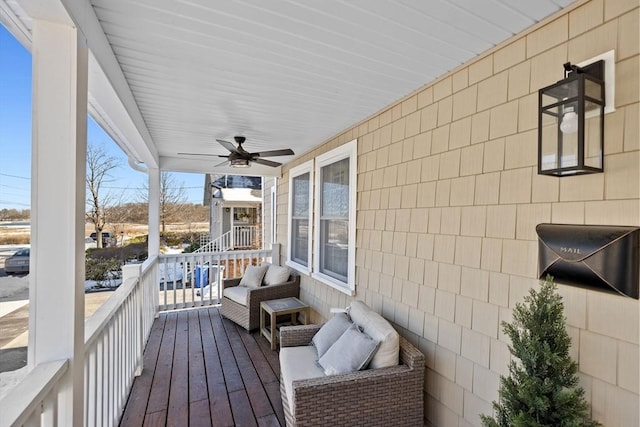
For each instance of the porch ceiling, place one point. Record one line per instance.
(281, 73)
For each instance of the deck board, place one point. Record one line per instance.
(159, 393)
(201, 369)
(197, 373)
(179, 388)
(139, 396)
(218, 399)
(258, 398)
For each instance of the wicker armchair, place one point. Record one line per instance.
(374, 397)
(249, 316)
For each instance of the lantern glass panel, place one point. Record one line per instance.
(558, 149)
(561, 90)
(593, 136)
(549, 146)
(569, 155)
(593, 90)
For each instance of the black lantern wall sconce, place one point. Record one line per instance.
(571, 122)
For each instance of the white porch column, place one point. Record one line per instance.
(56, 281)
(154, 212)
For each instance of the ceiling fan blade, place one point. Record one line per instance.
(226, 144)
(273, 153)
(225, 163)
(266, 162)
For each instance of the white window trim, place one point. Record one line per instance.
(274, 211)
(348, 150)
(306, 167)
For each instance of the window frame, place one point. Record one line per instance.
(295, 172)
(350, 151)
(274, 211)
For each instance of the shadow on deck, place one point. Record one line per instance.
(201, 369)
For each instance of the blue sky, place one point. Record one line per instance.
(15, 137)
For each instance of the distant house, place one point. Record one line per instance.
(236, 212)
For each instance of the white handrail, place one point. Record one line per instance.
(240, 236)
(220, 244)
(35, 397)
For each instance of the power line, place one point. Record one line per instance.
(4, 202)
(13, 187)
(15, 176)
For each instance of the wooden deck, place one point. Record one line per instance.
(201, 369)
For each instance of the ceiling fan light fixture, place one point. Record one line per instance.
(239, 163)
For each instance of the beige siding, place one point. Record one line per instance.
(448, 198)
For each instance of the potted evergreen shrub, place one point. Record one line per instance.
(542, 386)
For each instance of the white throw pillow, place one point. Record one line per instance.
(252, 277)
(276, 275)
(378, 328)
(350, 353)
(330, 332)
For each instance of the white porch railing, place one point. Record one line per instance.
(220, 244)
(240, 236)
(115, 337)
(34, 401)
(245, 236)
(195, 279)
(116, 334)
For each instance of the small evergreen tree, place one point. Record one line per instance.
(541, 389)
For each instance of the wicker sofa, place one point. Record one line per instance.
(248, 316)
(391, 396)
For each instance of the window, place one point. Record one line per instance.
(300, 208)
(335, 224)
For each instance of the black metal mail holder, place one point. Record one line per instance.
(600, 256)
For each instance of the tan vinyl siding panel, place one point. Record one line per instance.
(447, 251)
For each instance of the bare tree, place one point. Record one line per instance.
(172, 197)
(99, 166)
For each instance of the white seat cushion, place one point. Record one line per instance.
(298, 363)
(237, 294)
(378, 328)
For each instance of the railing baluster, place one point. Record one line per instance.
(99, 386)
(49, 411)
(203, 273)
(164, 285)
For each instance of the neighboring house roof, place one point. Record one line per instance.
(238, 197)
(237, 181)
(238, 189)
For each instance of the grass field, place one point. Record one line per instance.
(20, 235)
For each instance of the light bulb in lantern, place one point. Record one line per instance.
(569, 121)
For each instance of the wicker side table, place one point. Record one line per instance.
(280, 307)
